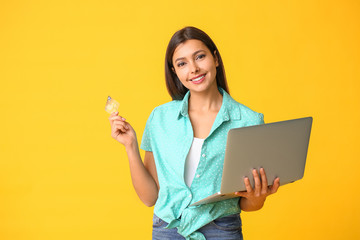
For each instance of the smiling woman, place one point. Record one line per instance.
(199, 45)
(184, 142)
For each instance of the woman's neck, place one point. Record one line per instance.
(207, 101)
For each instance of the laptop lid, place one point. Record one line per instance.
(279, 147)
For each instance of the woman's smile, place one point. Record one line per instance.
(198, 79)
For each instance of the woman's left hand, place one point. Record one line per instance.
(253, 199)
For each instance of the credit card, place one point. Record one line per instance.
(111, 105)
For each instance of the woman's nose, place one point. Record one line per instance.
(194, 67)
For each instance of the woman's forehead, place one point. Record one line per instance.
(187, 48)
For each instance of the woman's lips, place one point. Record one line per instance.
(199, 79)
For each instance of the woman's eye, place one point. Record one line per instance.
(180, 64)
(201, 56)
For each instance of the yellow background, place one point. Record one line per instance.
(62, 176)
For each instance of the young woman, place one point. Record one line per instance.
(184, 142)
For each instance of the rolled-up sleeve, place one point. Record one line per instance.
(261, 118)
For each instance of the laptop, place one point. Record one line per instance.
(280, 148)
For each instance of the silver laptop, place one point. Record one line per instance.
(279, 147)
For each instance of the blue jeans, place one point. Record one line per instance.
(225, 228)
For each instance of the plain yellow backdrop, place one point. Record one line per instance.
(62, 176)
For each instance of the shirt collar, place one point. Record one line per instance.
(229, 108)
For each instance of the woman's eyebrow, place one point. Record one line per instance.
(192, 54)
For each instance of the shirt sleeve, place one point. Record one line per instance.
(147, 137)
(261, 118)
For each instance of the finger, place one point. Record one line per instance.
(248, 185)
(264, 181)
(127, 125)
(275, 186)
(111, 116)
(116, 130)
(257, 182)
(121, 126)
(241, 194)
(121, 122)
(114, 114)
(118, 125)
(117, 118)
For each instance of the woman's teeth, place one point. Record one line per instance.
(197, 79)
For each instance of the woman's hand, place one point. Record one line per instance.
(121, 130)
(253, 199)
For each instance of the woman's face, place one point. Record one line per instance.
(194, 65)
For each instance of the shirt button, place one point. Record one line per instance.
(203, 155)
(190, 195)
(197, 176)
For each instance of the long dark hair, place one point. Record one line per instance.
(175, 88)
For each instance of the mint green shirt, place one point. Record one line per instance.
(168, 135)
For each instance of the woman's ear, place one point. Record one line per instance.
(216, 59)
(173, 69)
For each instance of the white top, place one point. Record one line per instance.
(192, 160)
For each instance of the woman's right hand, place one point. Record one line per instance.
(121, 130)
